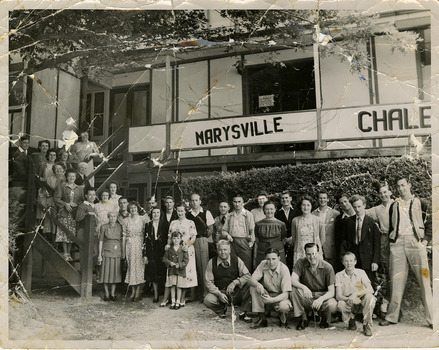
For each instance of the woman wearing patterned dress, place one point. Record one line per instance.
(103, 208)
(110, 237)
(132, 245)
(270, 233)
(85, 150)
(306, 228)
(67, 197)
(189, 232)
(114, 197)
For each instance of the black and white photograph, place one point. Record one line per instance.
(225, 174)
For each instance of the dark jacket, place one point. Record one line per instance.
(179, 257)
(368, 251)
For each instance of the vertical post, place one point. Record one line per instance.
(26, 271)
(318, 86)
(86, 254)
(168, 102)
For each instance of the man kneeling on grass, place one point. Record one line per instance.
(226, 282)
(313, 282)
(270, 289)
(354, 293)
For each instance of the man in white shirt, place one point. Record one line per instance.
(328, 216)
(204, 221)
(354, 294)
(239, 230)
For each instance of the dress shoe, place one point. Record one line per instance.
(136, 299)
(352, 325)
(324, 323)
(284, 325)
(367, 330)
(386, 323)
(177, 306)
(113, 298)
(172, 307)
(302, 324)
(106, 298)
(155, 300)
(243, 317)
(260, 323)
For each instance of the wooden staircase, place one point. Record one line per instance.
(81, 280)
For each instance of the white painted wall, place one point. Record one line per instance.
(68, 100)
(128, 79)
(192, 91)
(397, 76)
(158, 97)
(43, 110)
(340, 87)
(226, 85)
(279, 56)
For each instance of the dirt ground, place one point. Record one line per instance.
(57, 317)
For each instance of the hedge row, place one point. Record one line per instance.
(351, 176)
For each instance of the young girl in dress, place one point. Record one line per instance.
(175, 259)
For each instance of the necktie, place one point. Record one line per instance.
(358, 238)
(225, 264)
(223, 220)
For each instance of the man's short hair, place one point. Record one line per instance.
(263, 193)
(340, 196)
(322, 191)
(402, 177)
(169, 197)
(357, 197)
(271, 251)
(311, 245)
(347, 253)
(24, 138)
(238, 195)
(222, 242)
(88, 189)
(84, 163)
(121, 198)
(286, 192)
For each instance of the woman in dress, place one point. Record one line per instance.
(40, 157)
(67, 197)
(258, 213)
(45, 196)
(102, 209)
(189, 232)
(85, 150)
(169, 214)
(114, 197)
(306, 228)
(132, 246)
(156, 237)
(64, 157)
(110, 251)
(270, 233)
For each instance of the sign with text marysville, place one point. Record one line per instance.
(337, 124)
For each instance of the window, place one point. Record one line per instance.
(16, 90)
(95, 113)
(285, 87)
(132, 104)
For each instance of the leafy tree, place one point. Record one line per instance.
(98, 41)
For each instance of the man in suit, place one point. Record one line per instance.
(286, 214)
(362, 237)
(21, 164)
(81, 176)
(346, 211)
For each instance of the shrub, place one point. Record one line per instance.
(342, 176)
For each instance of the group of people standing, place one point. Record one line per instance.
(312, 263)
(315, 263)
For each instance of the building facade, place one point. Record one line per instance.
(209, 109)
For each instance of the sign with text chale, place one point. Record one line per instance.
(400, 120)
(227, 132)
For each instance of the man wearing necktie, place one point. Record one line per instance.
(361, 236)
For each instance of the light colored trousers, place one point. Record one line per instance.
(282, 308)
(407, 250)
(302, 304)
(367, 306)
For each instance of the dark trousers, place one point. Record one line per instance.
(240, 296)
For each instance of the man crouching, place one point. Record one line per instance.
(270, 289)
(354, 293)
(226, 282)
